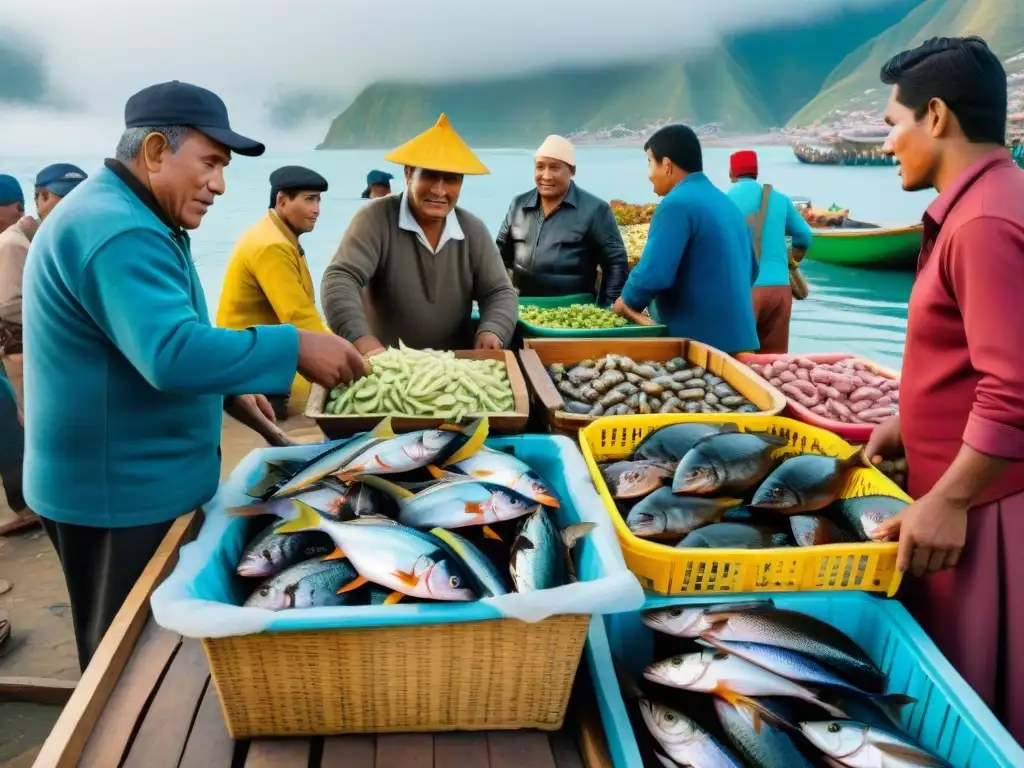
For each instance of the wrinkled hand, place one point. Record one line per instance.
(257, 404)
(329, 360)
(623, 310)
(932, 533)
(255, 412)
(487, 340)
(886, 441)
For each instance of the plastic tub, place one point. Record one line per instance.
(499, 663)
(626, 332)
(949, 718)
(855, 433)
(865, 566)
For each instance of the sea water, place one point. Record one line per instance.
(858, 311)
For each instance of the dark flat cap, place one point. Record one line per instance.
(178, 103)
(295, 177)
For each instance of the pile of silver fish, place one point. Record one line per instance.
(747, 684)
(428, 515)
(616, 385)
(702, 485)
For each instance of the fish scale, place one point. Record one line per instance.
(762, 744)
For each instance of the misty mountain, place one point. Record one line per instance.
(854, 85)
(24, 75)
(751, 82)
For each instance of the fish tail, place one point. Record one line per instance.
(306, 519)
(892, 703)
(575, 532)
(393, 490)
(353, 585)
(475, 433)
(250, 510)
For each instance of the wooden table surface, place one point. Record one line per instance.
(147, 701)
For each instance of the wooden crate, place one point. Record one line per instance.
(336, 426)
(537, 354)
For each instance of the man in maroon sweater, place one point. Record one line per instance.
(961, 419)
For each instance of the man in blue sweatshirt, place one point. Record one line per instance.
(698, 265)
(125, 378)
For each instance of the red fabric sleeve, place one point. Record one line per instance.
(986, 272)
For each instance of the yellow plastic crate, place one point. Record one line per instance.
(866, 567)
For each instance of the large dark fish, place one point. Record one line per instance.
(270, 552)
(816, 530)
(760, 740)
(633, 479)
(796, 632)
(729, 463)
(670, 444)
(664, 513)
(866, 513)
(804, 483)
(735, 536)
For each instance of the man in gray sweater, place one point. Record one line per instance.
(410, 266)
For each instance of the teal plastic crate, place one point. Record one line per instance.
(948, 717)
(529, 331)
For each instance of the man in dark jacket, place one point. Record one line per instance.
(555, 237)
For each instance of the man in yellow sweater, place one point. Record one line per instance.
(267, 281)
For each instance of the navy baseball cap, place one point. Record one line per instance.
(178, 103)
(10, 190)
(376, 177)
(60, 178)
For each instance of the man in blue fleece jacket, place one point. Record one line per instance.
(698, 265)
(124, 376)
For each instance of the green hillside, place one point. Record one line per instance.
(750, 82)
(855, 84)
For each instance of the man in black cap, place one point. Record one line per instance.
(267, 281)
(126, 374)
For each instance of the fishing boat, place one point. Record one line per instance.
(851, 148)
(867, 244)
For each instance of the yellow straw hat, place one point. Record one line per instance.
(439, 148)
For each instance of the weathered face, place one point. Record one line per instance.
(9, 214)
(433, 194)
(660, 174)
(379, 190)
(186, 182)
(46, 201)
(913, 142)
(552, 177)
(299, 212)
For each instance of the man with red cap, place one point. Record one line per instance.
(771, 216)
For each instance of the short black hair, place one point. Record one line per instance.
(291, 194)
(964, 73)
(679, 144)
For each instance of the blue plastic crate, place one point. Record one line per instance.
(201, 597)
(947, 718)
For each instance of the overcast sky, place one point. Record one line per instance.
(98, 52)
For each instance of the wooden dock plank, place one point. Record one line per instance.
(161, 739)
(565, 750)
(277, 753)
(405, 750)
(516, 749)
(354, 751)
(36, 690)
(127, 702)
(209, 744)
(461, 750)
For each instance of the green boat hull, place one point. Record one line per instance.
(883, 248)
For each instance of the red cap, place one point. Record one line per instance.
(743, 163)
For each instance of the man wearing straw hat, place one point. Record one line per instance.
(421, 260)
(555, 236)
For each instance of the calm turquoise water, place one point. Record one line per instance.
(849, 310)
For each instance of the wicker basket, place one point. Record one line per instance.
(484, 675)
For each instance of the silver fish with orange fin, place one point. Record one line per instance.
(500, 468)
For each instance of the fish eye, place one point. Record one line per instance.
(670, 717)
(677, 661)
(266, 554)
(454, 582)
(719, 655)
(264, 592)
(834, 727)
(675, 613)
